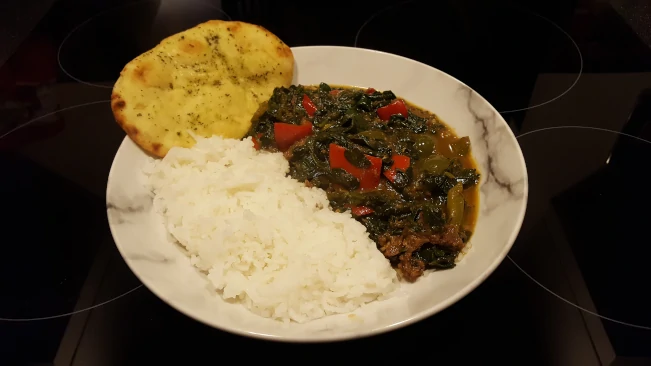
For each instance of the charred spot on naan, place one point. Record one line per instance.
(192, 46)
(140, 72)
(132, 131)
(284, 52)
(156, 147)
(118, 105)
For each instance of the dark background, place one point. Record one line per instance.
(572, 79)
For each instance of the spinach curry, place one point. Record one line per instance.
(401, 172)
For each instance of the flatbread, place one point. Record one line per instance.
(208, 80)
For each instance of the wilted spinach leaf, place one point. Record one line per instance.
(344, 178)
(436, 257)
(357, 158)
(324, 87)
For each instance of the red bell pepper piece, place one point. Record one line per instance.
(400, 162)
(335, 92)
(370, 91)
(361, 210)
(256, 141)
(369, 178)
(396, 107)
(309, 106)
(287, 134)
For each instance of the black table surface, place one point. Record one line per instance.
(572, 79)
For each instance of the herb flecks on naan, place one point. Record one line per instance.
(209, 80)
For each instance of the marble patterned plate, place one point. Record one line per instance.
(159, 263)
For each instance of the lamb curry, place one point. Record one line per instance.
(400, 171)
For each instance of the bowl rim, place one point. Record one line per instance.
(336, 337)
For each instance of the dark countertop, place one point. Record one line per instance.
(18, 19)
(572, 79)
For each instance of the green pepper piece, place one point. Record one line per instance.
(455, 205)
(435, 164)
(373, 134)
(461, 147)
(424, 146)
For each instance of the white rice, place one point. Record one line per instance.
(264, 239)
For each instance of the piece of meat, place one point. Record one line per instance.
(390, 245)
(410, 268)
(404, 245)
(413, 242)
(408, 242)
(416, 191)
(449, 238)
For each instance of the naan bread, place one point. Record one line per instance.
(209, 80)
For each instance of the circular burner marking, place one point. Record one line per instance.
(62, 291)
(110, 11)
(528, 244)
(523, 11)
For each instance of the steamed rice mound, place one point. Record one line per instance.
(264, 239)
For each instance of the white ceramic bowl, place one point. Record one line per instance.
(167, 272)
